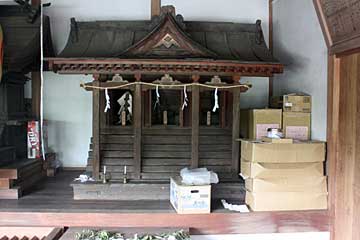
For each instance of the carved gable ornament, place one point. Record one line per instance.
(168, 40)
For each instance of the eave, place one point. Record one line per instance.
(169, 66)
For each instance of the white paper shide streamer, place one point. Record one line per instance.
(157, 97)
(185, 104)
(107, 97)
(216, 105)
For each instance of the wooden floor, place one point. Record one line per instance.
(56, 195)
(52, 205)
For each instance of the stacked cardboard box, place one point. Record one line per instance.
(254, 123)
(284, 176)
(294, 102)
(296, 115)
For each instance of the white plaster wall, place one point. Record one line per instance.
(299, 43)
(68, 111)
(68, 107)
(241, 11)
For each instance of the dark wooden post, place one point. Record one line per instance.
(137, 128)
(181, 112)
(36, 83)
(96, 129)
(155, 8)
(236, 130)
(149, 108)
(223, 105)
(195, 102)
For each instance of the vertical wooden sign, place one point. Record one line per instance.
(165, 118)
(208, 118)
(123, 118)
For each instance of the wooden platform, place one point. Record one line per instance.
(135, 191)
(51, 204)
(56, 195)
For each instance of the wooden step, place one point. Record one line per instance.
(9, 173)
(14, 193)
(5, 183)
(16, 169)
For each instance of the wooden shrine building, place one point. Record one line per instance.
(156, 136)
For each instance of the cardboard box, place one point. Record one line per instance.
(254, 123)
(297, 125)
(281, 170)
(297, 152)
(297, 102)
(306, 184)
(286, 201)
(190, 199)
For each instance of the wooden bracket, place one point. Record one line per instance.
(96, 77)
(236, 78)
(137, 77)
(195, 78)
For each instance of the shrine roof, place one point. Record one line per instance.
(187, 40)
(22, 39)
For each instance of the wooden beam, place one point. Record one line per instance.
(96, 130)
(137, 128)
(236, 133)
(155, 8)
(323, 22)
(339, 24)
(156, 66)
(215, 223)
(36, 84)
(195, 122)
(344, 155)
(333, 131)
(271, 26)
(271, 45)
